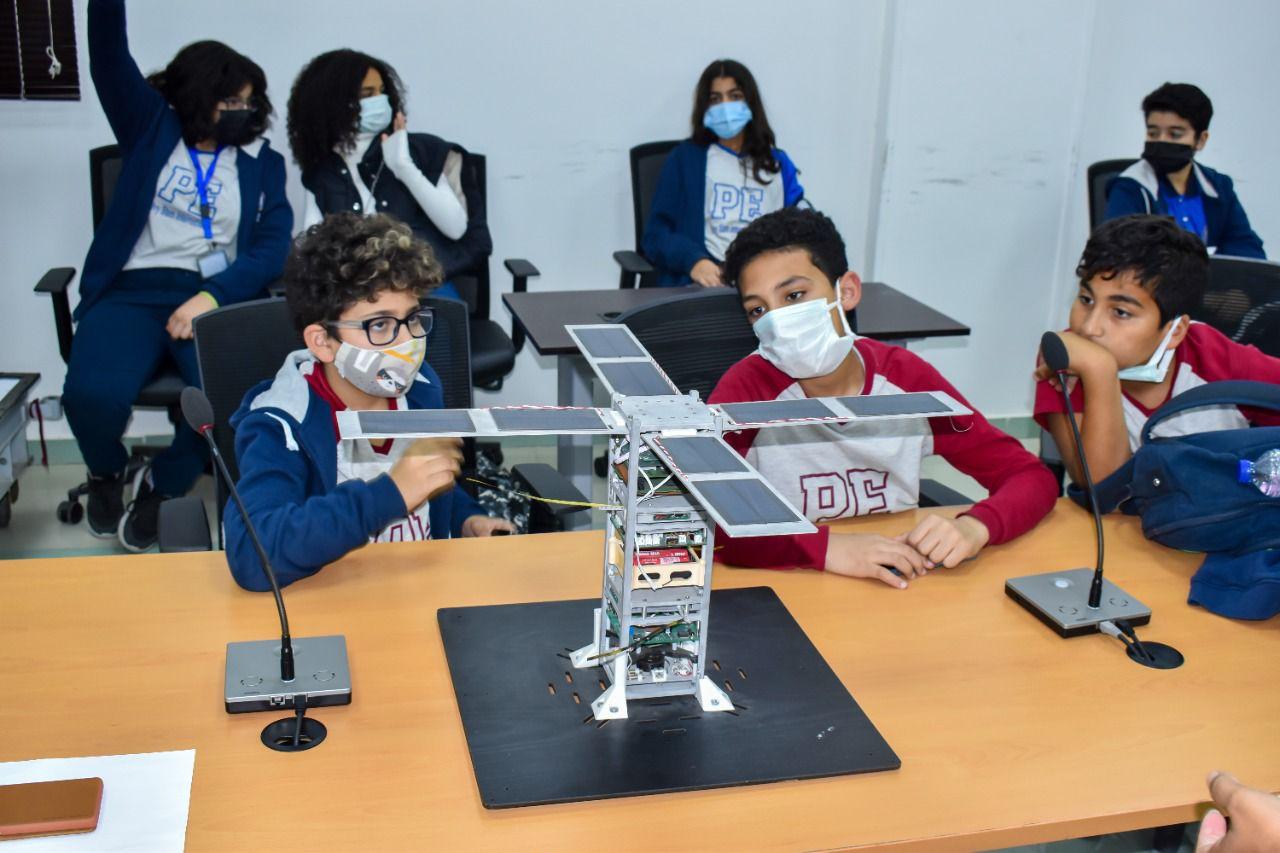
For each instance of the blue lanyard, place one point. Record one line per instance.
(202, 188)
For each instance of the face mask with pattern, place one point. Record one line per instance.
(386, 372)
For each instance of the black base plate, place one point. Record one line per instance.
(1159, 656)
(533, 740)
(280, 734)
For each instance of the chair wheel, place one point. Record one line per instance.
(70, 512)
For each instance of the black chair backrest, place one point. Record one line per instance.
(646, 167)
(473, 284)
(1243, 301)
(449, 350)
(1100, 175)
(236, 348)
(104, 172)
(694, 337)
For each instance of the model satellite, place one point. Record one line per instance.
(672, 480)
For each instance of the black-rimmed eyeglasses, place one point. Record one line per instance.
(383, 331)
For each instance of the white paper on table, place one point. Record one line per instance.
(145, 798)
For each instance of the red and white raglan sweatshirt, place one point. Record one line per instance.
(846, 470)
(1205, 355)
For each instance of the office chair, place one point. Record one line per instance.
(244, 344)
(646, 167)
(493, 350)
(1243, 301)
(696, 337)
(163, 390)
(1099, 178)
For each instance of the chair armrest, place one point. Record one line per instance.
(633, 266)
(521, 271)
(544, 481)
(933, 493)
(55, 283)
(183, 526)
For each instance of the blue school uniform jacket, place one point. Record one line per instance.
(148, 130)
(288, 458)
(675, 233)
(1137, 190)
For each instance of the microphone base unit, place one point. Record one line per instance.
(1060, 600)
(321, 675)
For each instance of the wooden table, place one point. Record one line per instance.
(1007, 733)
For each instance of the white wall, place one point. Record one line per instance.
(553, 93)
(995, 109)
(983, 114)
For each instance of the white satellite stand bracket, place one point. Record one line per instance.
(586, 657)
(711, 697)
(612, 704)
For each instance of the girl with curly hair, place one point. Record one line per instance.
(348, 132)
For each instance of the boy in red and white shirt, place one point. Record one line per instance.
(791, 271)
(1132, 346)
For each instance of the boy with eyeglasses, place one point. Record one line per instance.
(354, 286)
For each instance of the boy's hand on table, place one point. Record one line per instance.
(179, 325)
(946, 541)
(1255, 818)
(485, 525)
(873, 556)
(430, 466)
(1085, 359)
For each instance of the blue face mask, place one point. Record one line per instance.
(375, 113)
(1157, 366)
(726, 120)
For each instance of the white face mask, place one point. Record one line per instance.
(1157, 366)
(384, 372)
(375, 113)
(801, 341)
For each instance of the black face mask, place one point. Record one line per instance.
(1166, 157)
(232, 127)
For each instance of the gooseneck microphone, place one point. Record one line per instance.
(1056, 357)
(260, 674)
(1078, 601)
(198, 413)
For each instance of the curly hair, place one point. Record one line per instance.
(758, 141)
(324, 105)
(1171, 264)
(1181, 99)
(200, 76)
(788, 228)
(347, 258)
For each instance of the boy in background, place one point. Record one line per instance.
(793, 276)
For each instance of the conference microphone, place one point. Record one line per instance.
(255, 679)
(1075, 601)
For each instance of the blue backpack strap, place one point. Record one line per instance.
(1234, 392)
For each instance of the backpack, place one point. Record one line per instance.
(1186, 492)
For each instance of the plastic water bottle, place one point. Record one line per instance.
(1263, 473)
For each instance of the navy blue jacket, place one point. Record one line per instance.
(1137, 190)
(148, 130)
(675, 233)
(288, 461)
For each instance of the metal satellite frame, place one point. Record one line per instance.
(672, 479)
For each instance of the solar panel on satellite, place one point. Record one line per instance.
(609, 342)
(416, 422)
(746, 501)
(702, 454)
(776, 410)
(513, 418)
(872, 405)
(635, 378)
